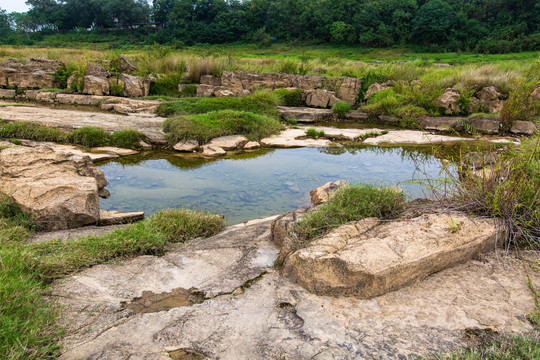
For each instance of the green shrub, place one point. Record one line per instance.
(519, 105)
(30, 131)
(290, 97)
(189, 91)
(341, 108)
(89, 136)
(314, 133)
(261, 102)
(350, 203)
(128, 139)
(166, 85)
(62, 75)
(383, 102)
(204, 127)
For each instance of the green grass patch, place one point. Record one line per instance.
(204, 127)
(264, 103)
(341, 108)
(350, 203)
(314, 133)
(27, 321)
(87, 136)
(153, 236)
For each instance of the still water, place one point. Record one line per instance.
(256, 184)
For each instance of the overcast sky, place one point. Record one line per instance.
(19, 5)
(13, 5)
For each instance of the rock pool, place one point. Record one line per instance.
(257, 184)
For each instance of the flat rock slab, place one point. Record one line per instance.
(113, 217)
(231, 142)
(412, 137)
(288, 139)
(370, 258)
(306, 114)
(274, 318)
(71, 119)
(71, 150)
(114, 150)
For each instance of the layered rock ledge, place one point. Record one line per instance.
(60, 191)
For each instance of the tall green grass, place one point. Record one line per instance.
(349, 203)
(88, 136)
(261, 102)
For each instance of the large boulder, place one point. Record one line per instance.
(348, 89)
(321, 98)
(94, 85)
(490, 99)
(369, 258)
(61, 191)
(449, 101)
(31, 74)
(134, 86)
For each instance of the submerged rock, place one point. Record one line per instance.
(213, 151)
(186, 146)
(60, 191)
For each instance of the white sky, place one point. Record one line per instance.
(14, 5)
(19, 5)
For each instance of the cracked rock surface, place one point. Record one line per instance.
(250, 311)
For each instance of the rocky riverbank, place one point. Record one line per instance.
(223, 298)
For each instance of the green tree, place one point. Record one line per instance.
(432, 23)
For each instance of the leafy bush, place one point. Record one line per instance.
(384, 101)
(128, 139)
(290, 97)
(350, 203)
(340, 108)
(166, 85)
(204, 127)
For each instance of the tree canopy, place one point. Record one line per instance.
(473, 25)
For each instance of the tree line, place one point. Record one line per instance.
(493, 26)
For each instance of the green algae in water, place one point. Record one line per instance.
(256, 184)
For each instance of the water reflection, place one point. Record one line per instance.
(255, 184)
